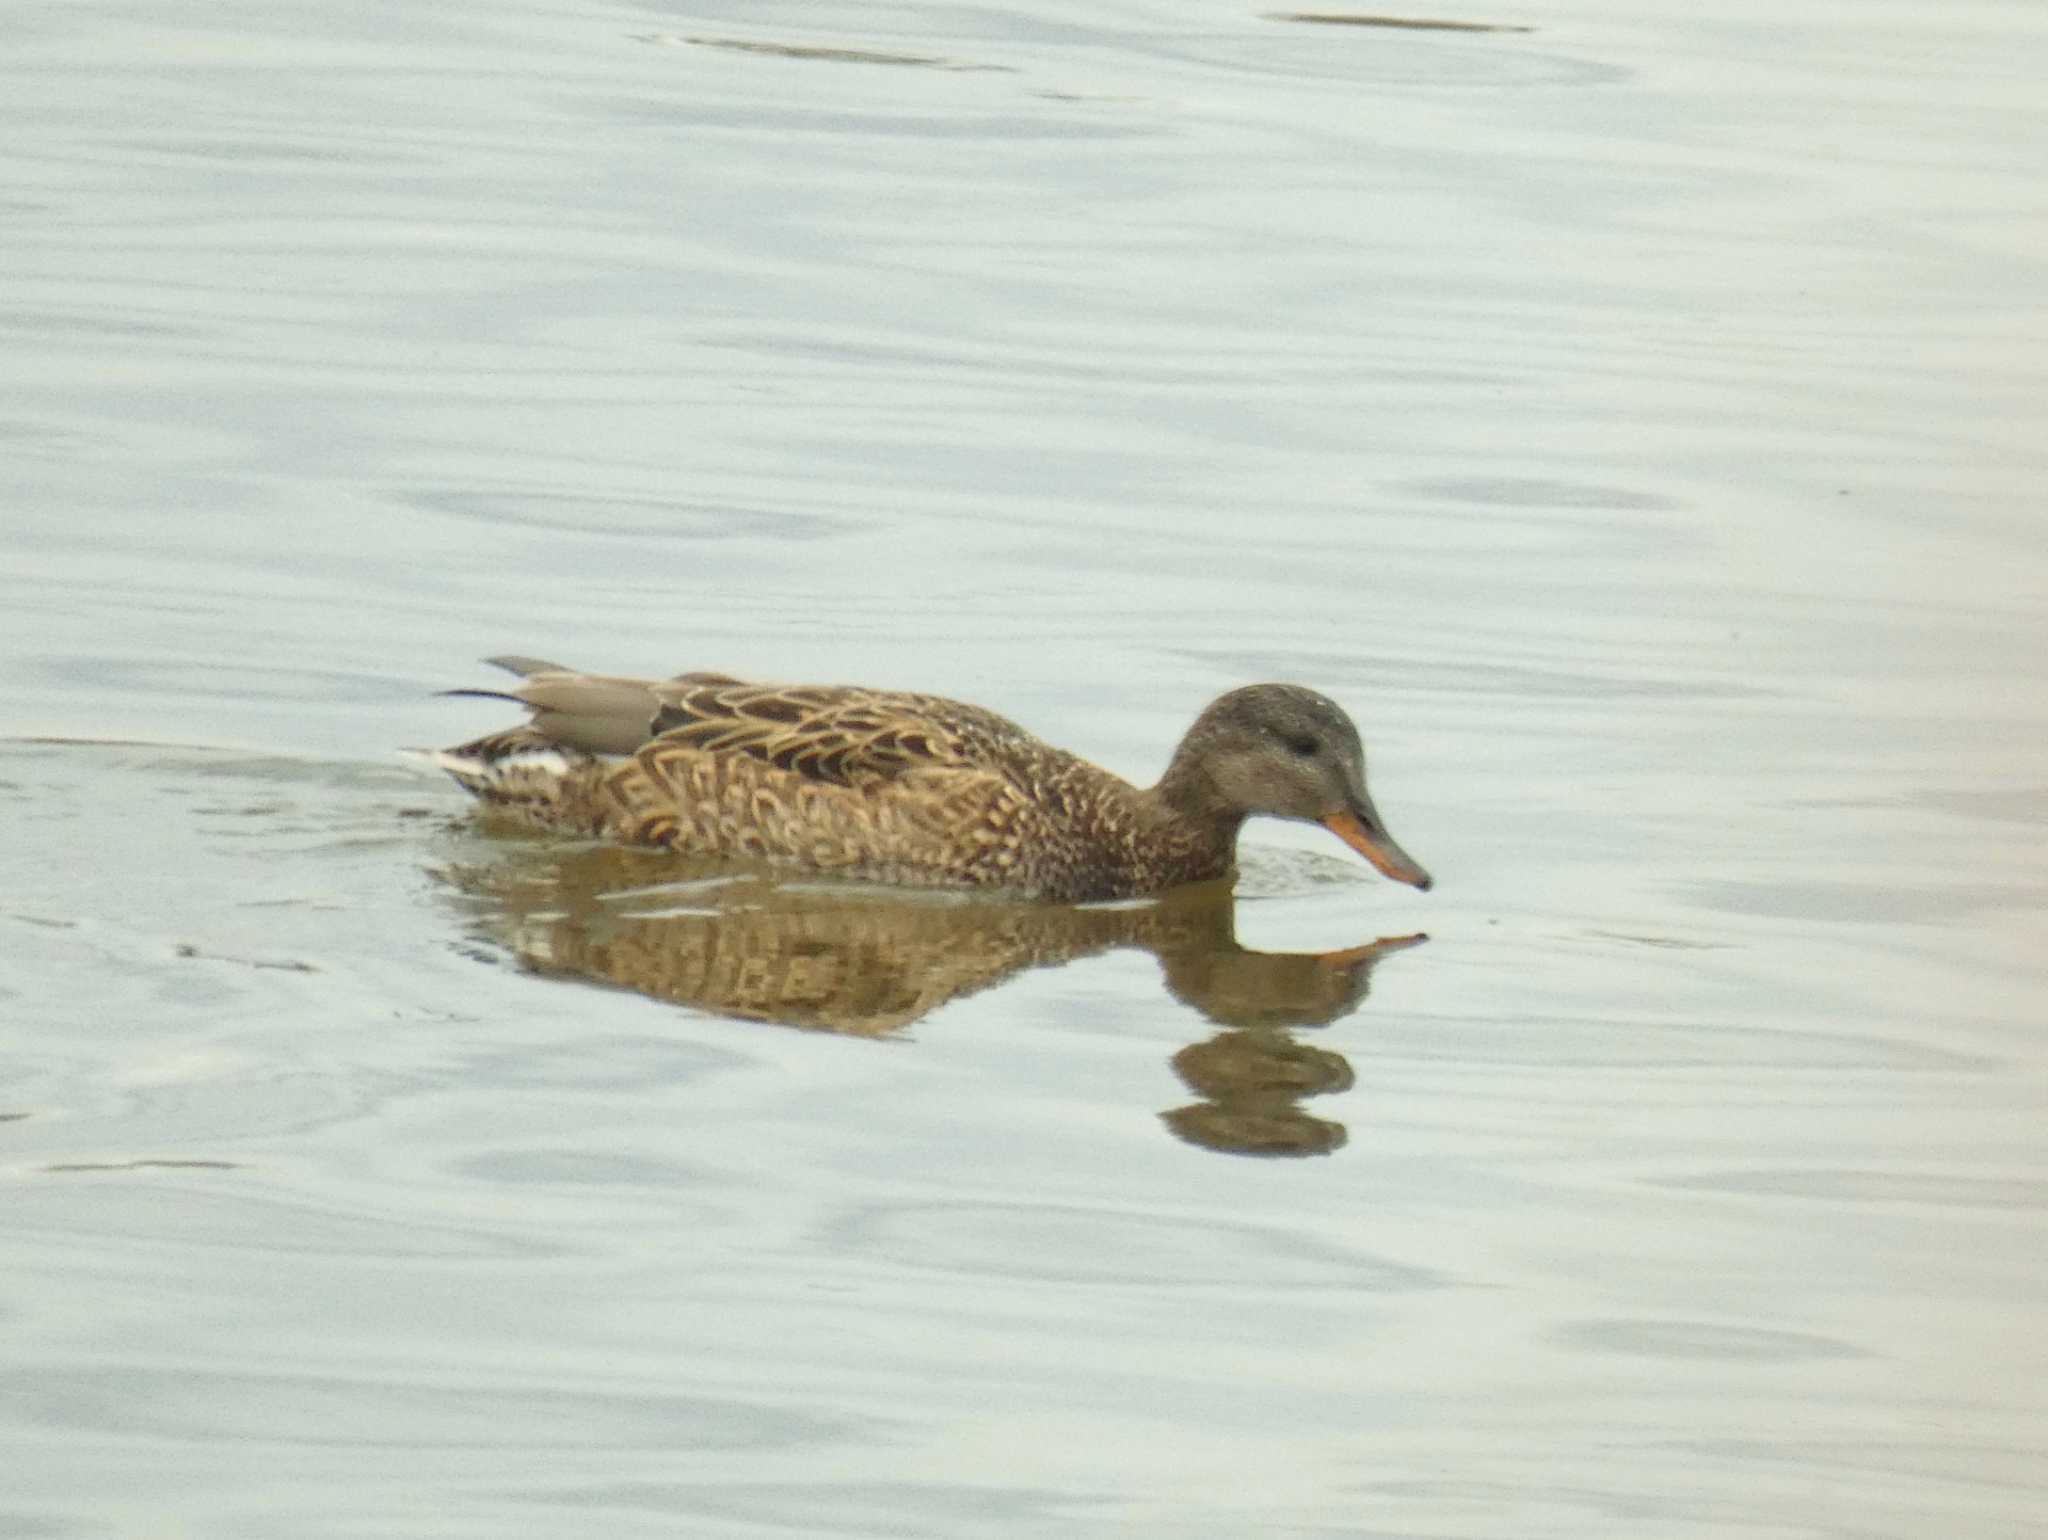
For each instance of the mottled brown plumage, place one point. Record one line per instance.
(912, 789)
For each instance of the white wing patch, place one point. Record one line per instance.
(538, 760)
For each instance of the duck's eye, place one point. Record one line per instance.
(1301, 745)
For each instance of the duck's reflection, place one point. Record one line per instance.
(867, 964)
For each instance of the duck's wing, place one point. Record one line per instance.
(831, 734)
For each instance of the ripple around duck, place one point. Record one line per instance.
(20, 1525)
(1703, 1340)
(280, 686)
(546, 1167)
(835, 127)
(1092, 1246)
(191, 1211)
(194, 1405)
(1635, 1046)
(1935, 1189)
(816, 53)
(1269, 871)
(669, 518)
(929, 1507)
(1504, 492)
(603, 1061)
(1438, 62)
(1861, 903)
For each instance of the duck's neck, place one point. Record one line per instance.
(1193, 825)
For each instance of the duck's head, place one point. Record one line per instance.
(1287, 752)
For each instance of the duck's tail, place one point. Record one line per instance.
(522, 772)
(582, 713)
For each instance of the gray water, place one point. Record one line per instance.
(1635, 420)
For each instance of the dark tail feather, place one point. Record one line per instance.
(485, 695)
(513, 663)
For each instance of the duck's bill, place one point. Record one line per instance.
(1378, 847)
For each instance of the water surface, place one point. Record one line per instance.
(1634, 420)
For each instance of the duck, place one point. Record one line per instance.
(907, 789)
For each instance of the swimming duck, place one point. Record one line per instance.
(911, 789)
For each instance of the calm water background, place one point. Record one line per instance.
(1637, 421)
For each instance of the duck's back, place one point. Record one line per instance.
(888, 785)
